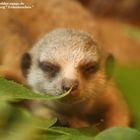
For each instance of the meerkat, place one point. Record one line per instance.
(66, 58)
(81, 107)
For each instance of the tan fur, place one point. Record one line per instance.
(20, 29)
(14, 43)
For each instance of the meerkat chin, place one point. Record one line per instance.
(66, 58)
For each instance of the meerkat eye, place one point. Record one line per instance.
(89, 68)
(49, 68)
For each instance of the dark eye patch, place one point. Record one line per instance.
(89, 68)
(50, 68)
(25, 63)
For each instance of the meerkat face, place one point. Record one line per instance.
(63, 59)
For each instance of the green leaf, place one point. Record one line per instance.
(11, 90)
(23, 125)
(56, 133)
(118, 133)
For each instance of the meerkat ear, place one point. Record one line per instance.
(25, 63)
(109, 65)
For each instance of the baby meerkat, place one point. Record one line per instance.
(67, 58)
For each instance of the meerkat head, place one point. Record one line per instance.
(66, 58)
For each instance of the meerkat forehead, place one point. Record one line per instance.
(67, 45)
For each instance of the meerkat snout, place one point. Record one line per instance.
(69, 83)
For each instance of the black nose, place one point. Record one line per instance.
(68, 83)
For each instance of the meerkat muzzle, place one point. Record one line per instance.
(68, 83)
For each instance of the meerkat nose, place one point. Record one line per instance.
(68, 83)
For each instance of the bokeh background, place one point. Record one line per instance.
(120, 22)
